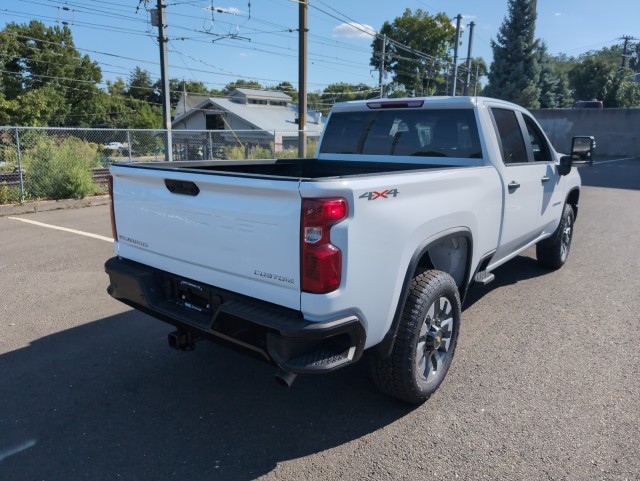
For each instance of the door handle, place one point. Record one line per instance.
(545, 179)
(513, 185)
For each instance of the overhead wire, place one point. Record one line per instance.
(121, 67)
(314, 57)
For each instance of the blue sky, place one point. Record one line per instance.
(261, 43)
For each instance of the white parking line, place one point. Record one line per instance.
(614, 160)
(65, 229)
(4, 454)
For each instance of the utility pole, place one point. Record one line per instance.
(302, 78)
(626, 39)
(455, 56)
(468, 65)
(382, 59)
(158, 20)
(475, 84)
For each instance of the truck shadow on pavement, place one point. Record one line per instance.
(110, 400)
(518, 269)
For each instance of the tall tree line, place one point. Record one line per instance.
(523, 72)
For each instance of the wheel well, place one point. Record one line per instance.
(572, 200)
(448, 255)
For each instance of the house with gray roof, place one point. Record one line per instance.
(246, 117)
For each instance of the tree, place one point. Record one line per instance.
(288, 89)
(515, 72)
(344, 92)
(177, 86)
(420, 69)
(597, 75)
(634, 61)
(624, 92)
(554, 89)
(477, 65)
(141, 87)
(41, 70)
(145, 116)
(241, 84)
(592, 78)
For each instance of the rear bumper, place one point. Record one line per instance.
(273, 333)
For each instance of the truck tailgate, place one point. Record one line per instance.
(237, 233)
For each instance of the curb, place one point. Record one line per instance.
(47, 205)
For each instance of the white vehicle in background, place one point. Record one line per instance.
(116, 147)
(372, 245)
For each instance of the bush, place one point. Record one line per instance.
(9, 195)
(259, 152)
(61, 171)
(256, 152)
(8, 158)
(287, 154)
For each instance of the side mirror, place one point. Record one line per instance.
(565, 165)
(582, 148)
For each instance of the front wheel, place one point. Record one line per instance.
(554, 251)
(426, 339)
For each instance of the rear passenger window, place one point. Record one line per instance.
(510, 135)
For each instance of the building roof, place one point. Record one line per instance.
(188, 102)
(262, 117)
(262, 94)
(267, 117)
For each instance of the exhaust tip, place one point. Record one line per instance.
(285, 378)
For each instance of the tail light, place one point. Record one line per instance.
(114, 231)
(321, 261)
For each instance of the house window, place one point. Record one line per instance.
(214, 122)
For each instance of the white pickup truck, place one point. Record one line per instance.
(370, 246)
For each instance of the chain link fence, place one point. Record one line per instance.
(63, 163)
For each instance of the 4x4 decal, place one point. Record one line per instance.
(385, 194)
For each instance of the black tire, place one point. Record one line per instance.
(554, 251)
(426, 339)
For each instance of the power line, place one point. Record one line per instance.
(81, 9)
(93, 26)
(317, 57)
(192, 70)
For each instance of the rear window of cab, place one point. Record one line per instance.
(426, 133)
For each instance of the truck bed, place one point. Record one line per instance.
(288, 168)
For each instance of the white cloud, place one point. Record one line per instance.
(354, 30)
(557, 14)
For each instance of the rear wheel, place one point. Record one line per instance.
(426, 339)
(554, 251)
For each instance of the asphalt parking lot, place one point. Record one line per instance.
(545, 383)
